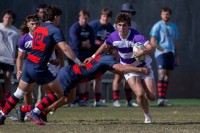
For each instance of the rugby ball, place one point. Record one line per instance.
(136, 47)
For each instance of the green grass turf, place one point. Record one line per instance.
(183, 117)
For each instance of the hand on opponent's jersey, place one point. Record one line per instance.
(87, 60)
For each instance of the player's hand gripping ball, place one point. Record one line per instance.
(137, 47)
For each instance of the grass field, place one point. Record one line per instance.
(183, 117)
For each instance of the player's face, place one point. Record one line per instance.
(105, 19)
(32, 24)
(123, 28)
(83, 20)
(41, 13)
(7, 20)
(165, 16)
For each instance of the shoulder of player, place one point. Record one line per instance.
(157, 24)
(74, 27)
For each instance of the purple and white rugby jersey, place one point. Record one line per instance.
(25, 43)
(125, 47)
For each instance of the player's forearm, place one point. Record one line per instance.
(149, 50)
(19, 64)
(100, 50)
(126, 68)
(68, 52)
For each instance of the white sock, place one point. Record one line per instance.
(2, 112)
(36, 110)
(147, 115)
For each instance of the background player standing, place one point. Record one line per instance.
(164, 36)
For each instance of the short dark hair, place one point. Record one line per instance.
(51, 12)
(41, 6)
(107, 12)
(166, 9)
(123, 17)
(84, 12)
(10, 12)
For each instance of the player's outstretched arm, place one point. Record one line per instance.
(127, 69)
(68, 52)
(99, 51)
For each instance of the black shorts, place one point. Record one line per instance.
(165, 61)
(6, 67)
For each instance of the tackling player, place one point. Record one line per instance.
(45, 38)
(70, 76)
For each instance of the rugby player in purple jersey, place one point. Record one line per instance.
(124, 39)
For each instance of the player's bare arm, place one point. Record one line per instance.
(69, 53)
(149, 49)
(60, 55)
(99, 51)
(19, 64)
(119, 68)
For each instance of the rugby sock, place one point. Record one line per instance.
(10, 104)
(45, 102)
(128, 93)
(162, 89)
(97, 97)
(116, 94)
(165, 86)
(27, 108)
(86, 96)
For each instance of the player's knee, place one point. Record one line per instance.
(19, 93)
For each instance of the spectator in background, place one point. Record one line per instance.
(41, 11)
(9, 36)
(81, 40)
(102, 28)
(164, 36)
(126, 8)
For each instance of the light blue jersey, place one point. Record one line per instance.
(165, 34)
